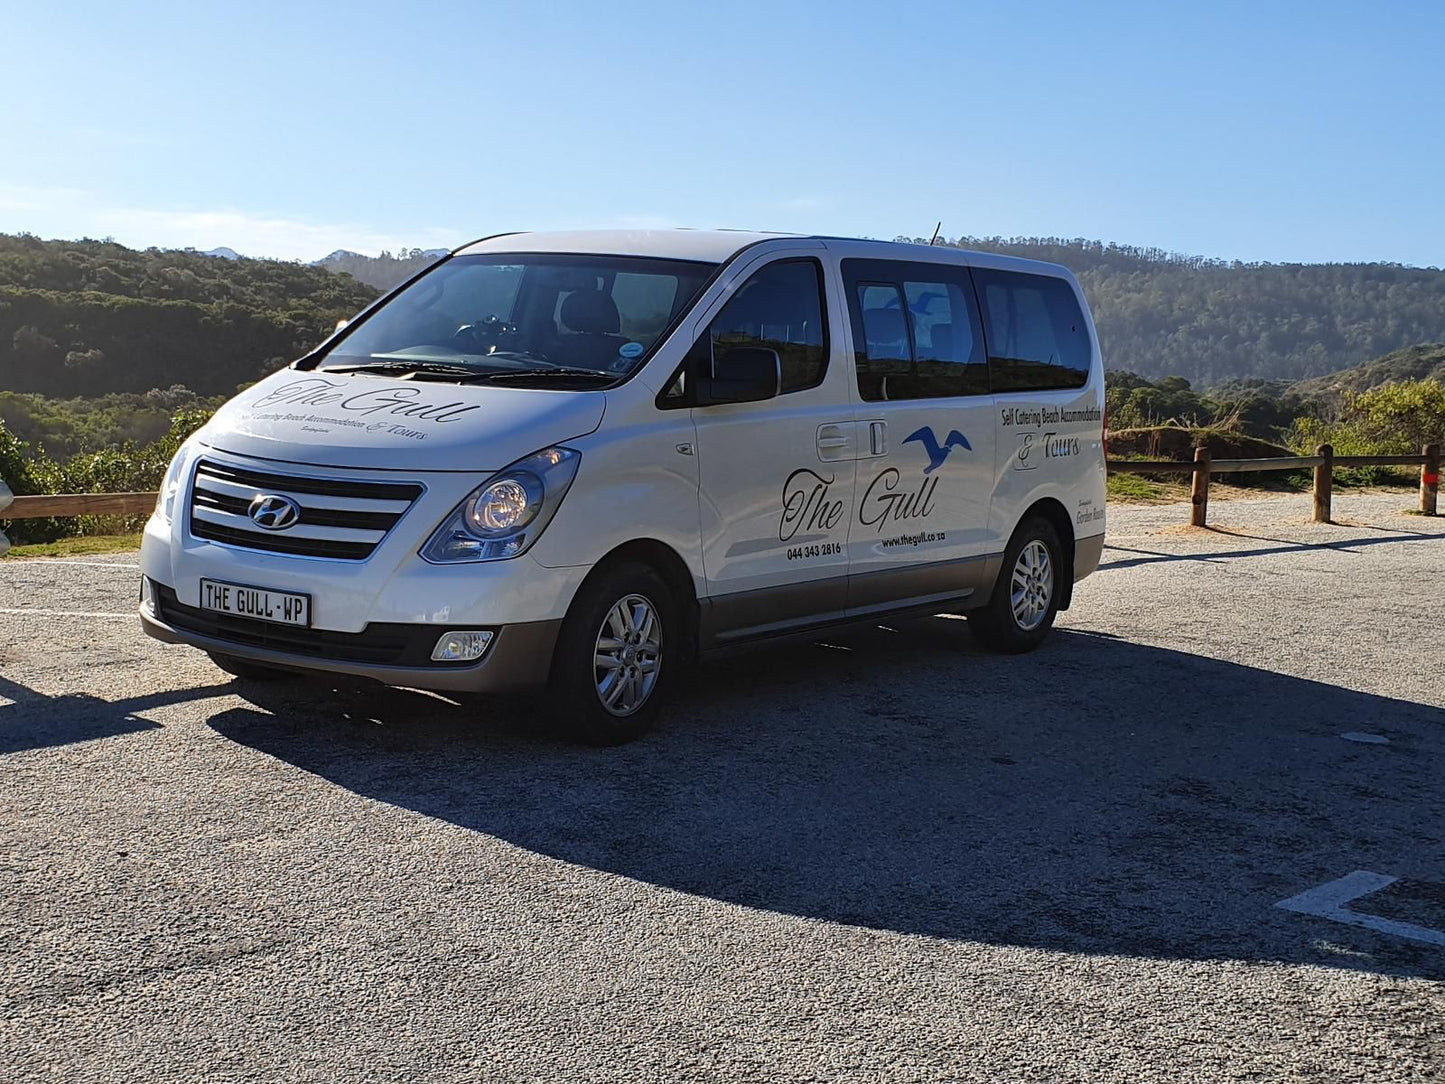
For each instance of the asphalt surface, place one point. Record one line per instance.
(887, 857)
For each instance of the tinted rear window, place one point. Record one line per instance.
(915, 329)
(1037, 336)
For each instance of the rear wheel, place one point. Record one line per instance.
(1026, 597)
(247, 670)
(614, 655)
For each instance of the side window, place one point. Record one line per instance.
(884, 355)
(780, 308)
(1037, 338)
(917, 335)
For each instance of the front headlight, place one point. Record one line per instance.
(503, 516)
(171, 485)
(506, 505)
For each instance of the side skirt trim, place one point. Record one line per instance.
(788, 609)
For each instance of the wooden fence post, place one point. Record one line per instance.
(1429, 478)
(1199, 490)
(1324, 483)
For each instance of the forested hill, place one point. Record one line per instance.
(384, 271)
(90, 317)
(1211, 321)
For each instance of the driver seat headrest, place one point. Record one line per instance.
(591, 312)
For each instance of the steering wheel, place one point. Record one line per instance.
(483, 333)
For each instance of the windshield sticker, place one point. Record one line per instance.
(631, 350)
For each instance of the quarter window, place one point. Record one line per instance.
(1037, 337)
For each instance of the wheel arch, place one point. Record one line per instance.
(1052, 511)
(667, 563)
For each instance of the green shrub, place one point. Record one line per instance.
(1392, 419)
(127, 468)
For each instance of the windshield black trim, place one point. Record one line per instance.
(336, 337)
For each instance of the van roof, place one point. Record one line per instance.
(717, 246)
(713, 246)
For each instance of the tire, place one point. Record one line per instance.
(628, 614)
(1025, 599)
(247, 670)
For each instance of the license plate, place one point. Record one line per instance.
(283, 607)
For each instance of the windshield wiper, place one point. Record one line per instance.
(552, 370)
(438, 368)
(408, 367)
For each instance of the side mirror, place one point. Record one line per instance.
(745, 374)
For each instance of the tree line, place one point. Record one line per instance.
(384, 271)
(93, 317)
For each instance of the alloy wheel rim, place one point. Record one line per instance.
(1032, 588)
(628, 655)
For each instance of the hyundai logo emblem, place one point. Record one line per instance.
(272, 512)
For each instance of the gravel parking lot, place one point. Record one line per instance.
(883, 857)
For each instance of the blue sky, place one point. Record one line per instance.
(1265, 131)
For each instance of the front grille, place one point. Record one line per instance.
(379, 644)
(340, 518)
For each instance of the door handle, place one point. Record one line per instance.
(835, 442)
(878, 438)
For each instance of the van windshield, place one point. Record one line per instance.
(524, 315)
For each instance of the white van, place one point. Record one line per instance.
(576, 461)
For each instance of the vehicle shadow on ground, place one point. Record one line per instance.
(39, 721)
(1096, 796)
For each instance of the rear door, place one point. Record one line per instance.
(926, 472)
(776, 478)
(1049, 389)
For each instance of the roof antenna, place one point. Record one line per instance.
(933, 240)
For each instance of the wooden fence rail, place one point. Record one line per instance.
(1324, 462)
(69, 504)
(79, 504)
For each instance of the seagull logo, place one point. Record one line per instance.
(937, 454)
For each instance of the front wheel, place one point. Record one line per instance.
(1026, 597)
(614, 656)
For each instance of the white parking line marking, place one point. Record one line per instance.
(69, 561)
(1329, 900)
(23, 612)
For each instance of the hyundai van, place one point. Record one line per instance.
(575, 462)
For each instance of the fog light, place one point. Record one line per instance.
(461, 646)
(147, 595)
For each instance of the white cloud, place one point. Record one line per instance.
(20, 198)
(76, 213)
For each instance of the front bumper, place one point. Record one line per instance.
(519, 657)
